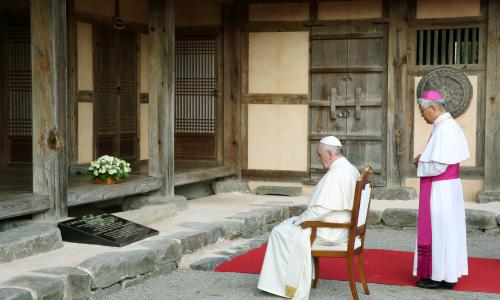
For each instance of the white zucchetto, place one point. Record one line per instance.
(331, 140)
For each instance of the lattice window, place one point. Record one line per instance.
(195, 85)
(18, 50)
(447, 46)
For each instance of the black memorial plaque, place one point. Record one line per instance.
(103, 229)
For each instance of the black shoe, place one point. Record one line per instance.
(447, 285)
(428, 284)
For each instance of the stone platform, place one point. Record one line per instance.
(76, 271)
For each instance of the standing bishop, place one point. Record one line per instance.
(287, 269)
(441, 252)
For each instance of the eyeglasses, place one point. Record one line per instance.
(423, 109)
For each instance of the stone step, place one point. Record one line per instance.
(291, 191)
(149, 214)
(28, 240)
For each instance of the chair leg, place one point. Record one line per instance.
(352, 280)
(361, 265)
(316, 272)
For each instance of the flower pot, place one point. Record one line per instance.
(109, 180)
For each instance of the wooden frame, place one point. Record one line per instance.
(18, 17)
(354, 233)
(215, 33)
(478, 69)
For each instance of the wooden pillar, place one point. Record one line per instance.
(398, 110)
(49, 96)
(232, 95)
(72, 144)
(492, 126)
(161, 92)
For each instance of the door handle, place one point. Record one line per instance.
(345, 114)
(357, 100)
(333, 107)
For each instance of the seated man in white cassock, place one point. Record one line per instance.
(287, 269)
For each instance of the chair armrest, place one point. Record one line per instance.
(314, 224)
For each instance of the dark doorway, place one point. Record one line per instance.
(197, 110)
(116, 98)
(15, 87)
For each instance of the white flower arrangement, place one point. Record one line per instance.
(109, 166)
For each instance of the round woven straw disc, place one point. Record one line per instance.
(453, 84)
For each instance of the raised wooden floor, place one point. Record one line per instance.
(17, 199)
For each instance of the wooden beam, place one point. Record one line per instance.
(276, 98)
(20, 204)
(492, 127)
(49, 98)
(398, 127)
(86, 96)
(243, 108)
(276, 26)
(106, 21)
(274, 175)
(82, 191)
(192, 176)
(161, 92)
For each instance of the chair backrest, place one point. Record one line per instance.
(361, 203)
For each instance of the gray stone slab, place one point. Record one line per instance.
(134, 281)
(296, 210)
(15, 294)
(191, 240)
(275, 214)
(112, 267)
(404, 217)
(149, 214)
(42, 287)
(214, 231)
(230, 186)
(481, 219)
(76, 282)
(374, 217)
(402, 193)
(166, 250)
(143, 200)
(498, 220)
(488, 196)
(208, 263)
(195, 190)
(253, 222)
(291, 191)
(110, 290)
(164, 269)
(232, 228)
(28, 240)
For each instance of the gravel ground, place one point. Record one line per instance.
(189, 284)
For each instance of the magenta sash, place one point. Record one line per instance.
(424, 234)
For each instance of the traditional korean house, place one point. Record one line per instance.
(190, 91)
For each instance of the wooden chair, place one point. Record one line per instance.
(357, 230)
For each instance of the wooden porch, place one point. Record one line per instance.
(17, 197)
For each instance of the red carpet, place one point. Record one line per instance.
(381, 266)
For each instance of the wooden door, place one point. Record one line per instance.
(196, 101)
(115, 109)
(348, 92)
(16, 92)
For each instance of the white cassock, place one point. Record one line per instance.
(447, 146)
(287, 268)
